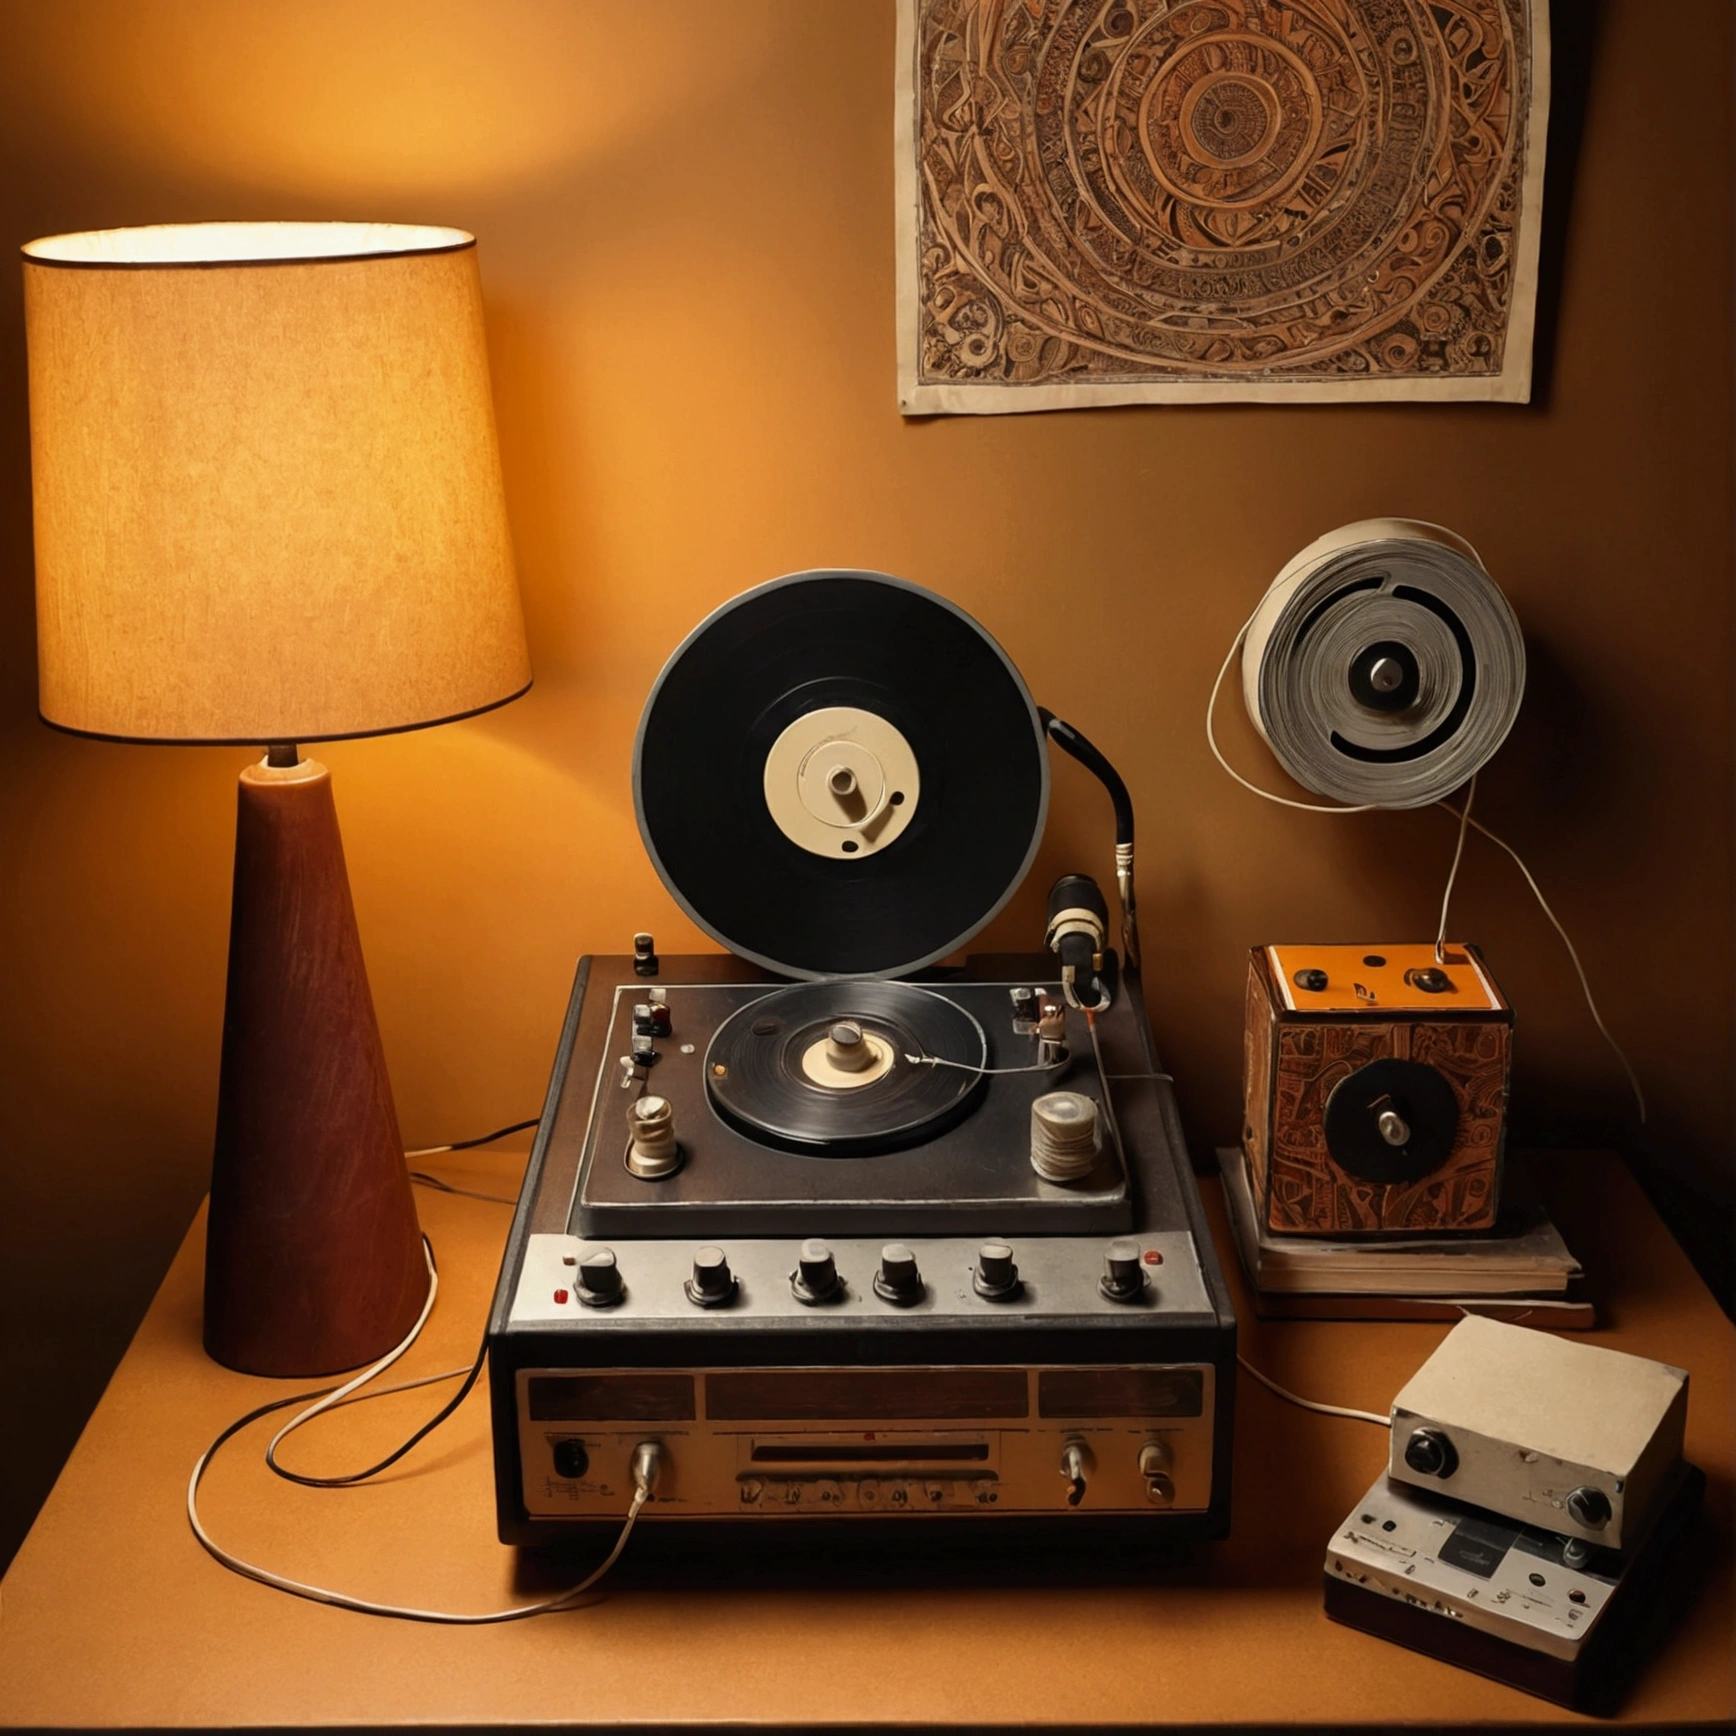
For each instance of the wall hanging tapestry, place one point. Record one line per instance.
(1150, 201)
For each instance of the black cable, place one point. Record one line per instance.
(422, 1177)
(397, 1453)
(1067, 738)
(481, 1139)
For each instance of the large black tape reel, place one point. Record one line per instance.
(840, 774)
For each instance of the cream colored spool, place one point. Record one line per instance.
(837, 1067)
(841, 782)
(1347, 591)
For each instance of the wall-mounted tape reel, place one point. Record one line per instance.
(1384, 667)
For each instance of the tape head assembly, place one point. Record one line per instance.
(840, 774)
(1384, 667)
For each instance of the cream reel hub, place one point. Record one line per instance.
(841, 781)
(1384, 667)
(847, 1058)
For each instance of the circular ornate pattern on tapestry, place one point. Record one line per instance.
(1218, 188)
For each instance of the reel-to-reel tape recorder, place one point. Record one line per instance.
(852, 1233)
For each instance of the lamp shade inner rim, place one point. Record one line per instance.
(196, 244)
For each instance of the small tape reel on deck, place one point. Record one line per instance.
(1383, 668)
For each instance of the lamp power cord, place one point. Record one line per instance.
(646, 1464)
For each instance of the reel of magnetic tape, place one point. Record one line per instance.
(1384, 667)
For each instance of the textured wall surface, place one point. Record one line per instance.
(685, 217)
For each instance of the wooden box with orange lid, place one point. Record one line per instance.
(1375, 1089)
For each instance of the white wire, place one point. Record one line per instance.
(1329, 1410)
(1218, 753)
(1572, 952)
(1453, 872)
(986, 1072)
(337, 1394)
(343, 1600)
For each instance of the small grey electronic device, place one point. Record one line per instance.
(1552, 1615)
(1581, 1440)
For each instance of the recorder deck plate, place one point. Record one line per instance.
(975, 1171)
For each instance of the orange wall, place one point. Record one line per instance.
(685, 216)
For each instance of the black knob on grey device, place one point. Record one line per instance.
(1589, 1507)
(898, 1281)
(815, 1278)
(1123, 1277)
(996, 1277)
(712, 1283)
(600, 1279)
(1430, 1452)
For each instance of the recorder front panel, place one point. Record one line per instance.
(884, 1442)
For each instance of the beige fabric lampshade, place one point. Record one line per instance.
(267, 488)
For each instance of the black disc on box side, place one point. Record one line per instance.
(1423, 1098)
(822, 639)
(754, 1074)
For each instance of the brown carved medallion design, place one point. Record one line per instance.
(1221, 194)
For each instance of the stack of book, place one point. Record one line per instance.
(1520, 1271)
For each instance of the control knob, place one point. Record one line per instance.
(600, 1279)
(572, 1461)
(712, 1283)
(1430, 1452)
(898, 1281)
(1123, 1277)
(996, 1277)
(815, 1278)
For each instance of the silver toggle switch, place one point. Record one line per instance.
(1075, 1466)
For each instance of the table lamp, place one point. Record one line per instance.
(269, 511)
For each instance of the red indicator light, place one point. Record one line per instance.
(1153, 1257)
(560, 1295)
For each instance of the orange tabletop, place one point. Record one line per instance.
(112, 1616)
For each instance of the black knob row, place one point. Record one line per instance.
(897, 1280)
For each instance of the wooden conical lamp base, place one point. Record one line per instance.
(313, 1258)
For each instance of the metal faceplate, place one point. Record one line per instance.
(1468, 1566)
(975, 1171)
(1059, 1279)
(1151, 1452)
